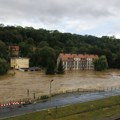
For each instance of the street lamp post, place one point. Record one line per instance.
(50, 88)
(34, 96)
(28, 93)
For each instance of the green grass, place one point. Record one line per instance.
(94, 110)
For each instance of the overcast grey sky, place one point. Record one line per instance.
(93, 17)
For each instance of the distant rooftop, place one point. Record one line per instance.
(14, 47)
(66, 56)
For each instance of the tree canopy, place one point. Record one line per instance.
(101, 63)
(43, 45)
(60, 69)
(3, 66)
(51, 67)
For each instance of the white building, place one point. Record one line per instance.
(77, 61)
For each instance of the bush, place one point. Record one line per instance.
(101, 63)
(44, 97)
(51, 67)
(3, 66)
(60, 69)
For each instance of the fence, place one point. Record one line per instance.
(37, 98)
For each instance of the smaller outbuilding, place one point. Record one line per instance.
(19, 62)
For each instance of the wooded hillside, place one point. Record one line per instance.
(43, 45)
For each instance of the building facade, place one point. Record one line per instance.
(77, 61)
(19, 63)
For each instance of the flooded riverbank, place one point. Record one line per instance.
(15, 87)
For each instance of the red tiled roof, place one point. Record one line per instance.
(17, 48)
(65, 56)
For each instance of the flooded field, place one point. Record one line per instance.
(15, 87)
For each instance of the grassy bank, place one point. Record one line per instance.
(94, 110)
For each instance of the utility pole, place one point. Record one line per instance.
(34, 96)
(50, 88)
(28, 93)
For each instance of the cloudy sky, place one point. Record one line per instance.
(93, 17)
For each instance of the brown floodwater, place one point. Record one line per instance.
(15, 87)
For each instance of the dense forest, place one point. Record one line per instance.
(43, 46)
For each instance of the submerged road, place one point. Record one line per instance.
(60, 100)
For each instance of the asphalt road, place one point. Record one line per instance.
(60, 100)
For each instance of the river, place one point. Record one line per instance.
(15, 87)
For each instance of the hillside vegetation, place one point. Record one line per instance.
(42, 45)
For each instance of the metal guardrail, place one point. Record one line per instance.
(38, 98)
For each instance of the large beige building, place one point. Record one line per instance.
(77, 61)
(19, 63)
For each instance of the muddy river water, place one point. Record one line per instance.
(15, 87)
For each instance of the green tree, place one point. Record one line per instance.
(51, 67)
(3, 50)
(43, 44)
(3, 66)
(43, 56)
(101, 63)
(60, 69)
(25, 49)
(117, 61)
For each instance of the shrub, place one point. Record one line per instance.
(44, 97)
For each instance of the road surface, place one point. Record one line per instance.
(60, 100)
